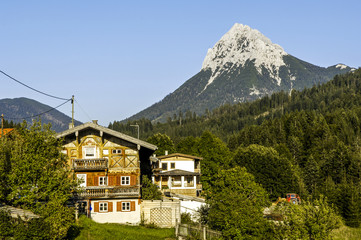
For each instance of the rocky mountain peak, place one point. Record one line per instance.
(240, 45)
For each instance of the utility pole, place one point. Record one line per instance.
(72, 111)
(2, 125)
(137, 126)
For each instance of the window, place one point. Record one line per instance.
(103, 207)
(190, 182)
(89, 152)
(125, 180)
(117, 151)
(125, 206)
(81, 180)
(172, 165)
(164, 166)
(102, 181)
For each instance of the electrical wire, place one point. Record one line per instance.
(37, 115)
(31, 87)
(83, 110)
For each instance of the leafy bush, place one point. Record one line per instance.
(310, 220)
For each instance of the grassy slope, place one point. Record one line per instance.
(346, 233)
(88, 229)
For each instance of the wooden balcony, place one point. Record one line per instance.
(90, 164)
(107, 192)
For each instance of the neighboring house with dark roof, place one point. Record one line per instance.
(109, 166)
(178, 173)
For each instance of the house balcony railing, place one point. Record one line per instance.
(106, 192)
(90, 164)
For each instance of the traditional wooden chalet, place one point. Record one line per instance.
(108, 165)
(178, 173)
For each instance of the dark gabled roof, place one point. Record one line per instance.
(108, 131)
(177, 172)
(178, 155)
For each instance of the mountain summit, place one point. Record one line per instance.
(240, 45)
(242, 66)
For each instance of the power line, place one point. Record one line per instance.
(37, 115)
(83, 110)
(31, 87)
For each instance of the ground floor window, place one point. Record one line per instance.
(190, 182)
(125, 206)
(103, 207)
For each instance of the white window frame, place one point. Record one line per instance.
(165, 163)
(103, 181)
(81, 177)
(103, 206)
(126, 207)
(117, 151)
(125, 180)
(172, 163)
(86, 149)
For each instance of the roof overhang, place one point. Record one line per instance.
(111, 132)
(177, 172)
(179, 155)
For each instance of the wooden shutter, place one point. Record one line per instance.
(110, 206)
(95, 181)
(117, 180)
(111, 180)
(132, 206)
(90, 181)
(119, 206)
(133, 180)
(96, 206)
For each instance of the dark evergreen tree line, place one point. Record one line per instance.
(343, 92)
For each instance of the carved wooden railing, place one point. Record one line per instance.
(90, 164)
(107, 192)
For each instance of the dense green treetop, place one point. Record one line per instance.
(236, 203)
(35, 176)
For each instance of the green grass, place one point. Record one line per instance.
(346, 233)
(89, 230)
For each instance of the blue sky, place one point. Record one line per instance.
(119, 57)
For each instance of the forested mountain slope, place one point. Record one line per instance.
(19, 109)
(343, 92)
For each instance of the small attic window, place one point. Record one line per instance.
(117, 151)
(89, 152)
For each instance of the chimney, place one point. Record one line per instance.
(95, 122)
(166, 152)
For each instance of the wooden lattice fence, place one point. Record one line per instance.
(188, 231)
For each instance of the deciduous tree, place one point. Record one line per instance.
(38, 178)
(236, 203)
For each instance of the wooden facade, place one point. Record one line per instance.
(108, 166)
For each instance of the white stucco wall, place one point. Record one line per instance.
(190, 206)
(132, 217)
(186, 165)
